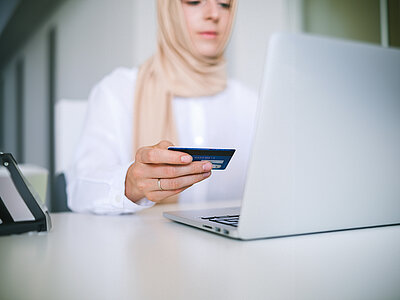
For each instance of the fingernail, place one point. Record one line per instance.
(207, 166)
(186, 158)
(206, 174)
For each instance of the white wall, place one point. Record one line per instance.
(36, 99)
(93, 37)
(145, 30)
(256, 21)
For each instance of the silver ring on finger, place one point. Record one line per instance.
(159, 184)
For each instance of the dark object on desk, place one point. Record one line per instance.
(60, 203)
(41, 218)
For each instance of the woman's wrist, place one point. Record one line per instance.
(130, 192)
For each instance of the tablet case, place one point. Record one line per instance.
(41, 222)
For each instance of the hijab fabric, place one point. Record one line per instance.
(176, 69)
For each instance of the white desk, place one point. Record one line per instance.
(145, 256)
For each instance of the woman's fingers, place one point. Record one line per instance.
(163, 145)
(159, 196)
(172, 171)
(150, 155)
(171, 184)
(159, 154)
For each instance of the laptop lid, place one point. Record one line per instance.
(326, 149)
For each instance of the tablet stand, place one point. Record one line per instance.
(41, 222)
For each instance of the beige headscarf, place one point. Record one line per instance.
(175, 70)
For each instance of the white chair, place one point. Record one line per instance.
(69, 118)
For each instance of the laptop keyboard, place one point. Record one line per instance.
(232, 220)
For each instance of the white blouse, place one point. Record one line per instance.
(96, 179)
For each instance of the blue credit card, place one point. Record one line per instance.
(218, 157)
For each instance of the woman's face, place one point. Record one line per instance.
(207, 22)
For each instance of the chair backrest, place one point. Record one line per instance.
(69, 119)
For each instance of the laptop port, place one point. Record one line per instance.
(226, 231)
(217, 229)
(206, 226)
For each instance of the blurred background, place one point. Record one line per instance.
(58, 49)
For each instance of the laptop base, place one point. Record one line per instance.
(195, 218)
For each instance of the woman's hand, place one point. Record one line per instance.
(159, 173)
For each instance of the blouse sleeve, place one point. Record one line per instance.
(96, 179)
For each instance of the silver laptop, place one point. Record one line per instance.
(326, 152)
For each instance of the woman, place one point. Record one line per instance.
(180, 95)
